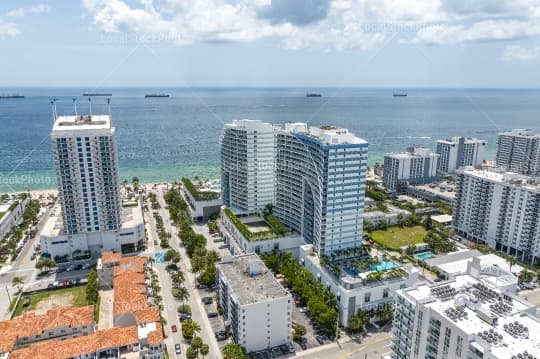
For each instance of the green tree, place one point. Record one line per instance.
(511, 262)
(204, 350)
(196, 342)
(189, 329)
(385, 313)
(298, 332)
(92, 287)
(358, 321)
(234, 351)
(182, 294)
(191, 352)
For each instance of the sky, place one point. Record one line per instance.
(359, 43)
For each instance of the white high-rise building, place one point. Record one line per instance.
(257, 308)
(86, 161)
(89, 217)
(320, 185)
(466, 318)
(519, 151)
(247, 165)
(415, 166)
(501, 209)
(459, 152)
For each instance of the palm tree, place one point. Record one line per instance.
(385, 313)
(204, 350)
(182, 294)
(178, 277)
(17, 282)
(511, 261)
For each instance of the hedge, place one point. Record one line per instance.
(199, 195)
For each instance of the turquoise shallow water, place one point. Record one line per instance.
(163, 139)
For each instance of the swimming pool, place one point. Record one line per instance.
(160, 257)
(384, 265)
(424, 255)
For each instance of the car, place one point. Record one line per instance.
(184, 316)
(174, 328)
(302, 345)
(319, 339)
(60, 269)
(78, 267)
(70, 268)
(50, 285)
(33, 256)
(86, 266)
(221, 335)
(212, 314)
(177, 349)
(201, 286)
(290, 348)
(206, 300)
(303, 310)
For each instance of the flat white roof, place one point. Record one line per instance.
(508, 178)
(468, 295)
(82, 122)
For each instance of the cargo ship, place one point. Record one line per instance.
(11, 96)
(156, 95)
(400, 94)
(310, 94)
(96, 94)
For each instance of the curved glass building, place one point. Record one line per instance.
(320, 185)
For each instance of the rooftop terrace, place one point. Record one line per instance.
(250, 279)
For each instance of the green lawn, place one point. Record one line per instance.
(64, 296)
(395, 237)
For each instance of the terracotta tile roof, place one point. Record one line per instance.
(156, 337)
(110, 257)
(33, 324)
(87, 344)
(148, 315)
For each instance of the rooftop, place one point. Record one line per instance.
(250, 279)
(493, 319)
(110, 257)
(327, 135)
(73, 347)
(522, 132)
(82, 122)
(499, 176)
(413, 151)
(455, 140)
(35, 324)
(54, 224)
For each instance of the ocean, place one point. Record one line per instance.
(164, 139)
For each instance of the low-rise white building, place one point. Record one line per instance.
(129, 238)
(467, 317)
(239, 244)
(11, 212)
(257, 308)
(358, 292)
(203, 207)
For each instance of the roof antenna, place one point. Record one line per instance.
(75, 105)
(90, 104)
(53, 107)
(109, 106)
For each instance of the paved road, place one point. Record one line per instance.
(197, 308)
(370, 347)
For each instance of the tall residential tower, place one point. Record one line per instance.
(320, 185)
(459, 152)
(86, 161)
(247, 165)
(519, 151)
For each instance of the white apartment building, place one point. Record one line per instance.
(257, 308)
(458, 152)
(320, 185)
(90, 218)
(358, 292)
(467, 317)
(501, 209)
(519, 151)
(12, 211)
(247, 165)
(84, 149)
(415, 166)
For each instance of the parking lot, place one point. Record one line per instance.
(216, 322)
(314, 336)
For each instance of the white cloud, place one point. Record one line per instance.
(8, 29)
(341, 24)
(518, 53)
(32, 9)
